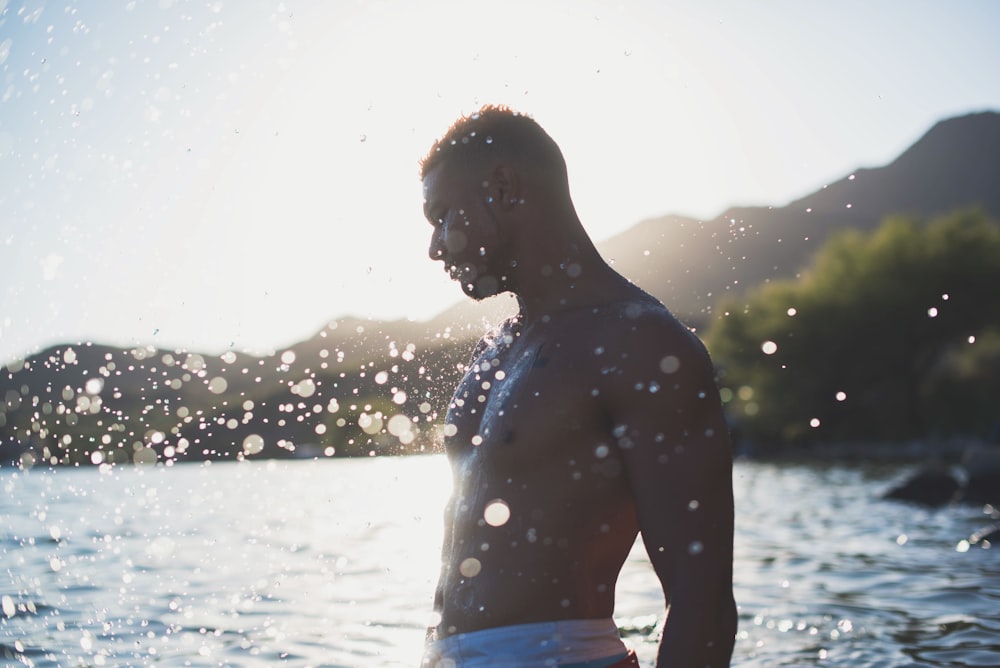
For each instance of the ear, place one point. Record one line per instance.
(504, 188)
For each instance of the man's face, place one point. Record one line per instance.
(465, 232)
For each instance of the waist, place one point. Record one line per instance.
(557, 643)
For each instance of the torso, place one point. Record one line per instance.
(527, 433)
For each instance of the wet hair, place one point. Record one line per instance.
(497, 134)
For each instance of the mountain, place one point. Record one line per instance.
(689, 263)
(360, 387)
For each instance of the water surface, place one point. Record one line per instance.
(333, 562)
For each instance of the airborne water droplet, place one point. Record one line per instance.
(496, 513)
(470, 567)
(253, 444)
(670, 364)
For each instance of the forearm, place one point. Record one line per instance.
(698, 633)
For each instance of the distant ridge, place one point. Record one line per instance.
(689, 263)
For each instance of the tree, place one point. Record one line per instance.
(888, 336)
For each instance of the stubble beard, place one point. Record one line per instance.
(478, 283)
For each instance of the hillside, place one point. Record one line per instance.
(361, 387)
(689, 263)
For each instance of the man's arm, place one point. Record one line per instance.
(675, 447)
(446, 551)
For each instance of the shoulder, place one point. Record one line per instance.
(648, 354)
(643, 328)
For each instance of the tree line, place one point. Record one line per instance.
(888, 336)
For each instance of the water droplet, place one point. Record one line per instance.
(670, 364)
(400, 426)
(470, 567)
(496, 513)
(814, 423)
(252, 444)
(769, 347)
(841, 396)
(601, 451)
(696, 547)
(932, 312)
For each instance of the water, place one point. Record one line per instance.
(332, 563)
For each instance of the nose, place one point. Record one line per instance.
(436, 249)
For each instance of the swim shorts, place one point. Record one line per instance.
(578, 643)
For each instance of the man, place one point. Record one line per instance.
(590, 416)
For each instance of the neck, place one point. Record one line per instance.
(566, 278)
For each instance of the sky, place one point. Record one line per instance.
(233, 175)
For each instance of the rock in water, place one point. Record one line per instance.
(931, 486)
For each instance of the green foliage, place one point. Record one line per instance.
(888, 336)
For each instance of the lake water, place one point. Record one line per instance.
(332, 563)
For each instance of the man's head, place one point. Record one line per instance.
(493, 136)
(495, 187)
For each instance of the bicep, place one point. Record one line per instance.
(675, 448)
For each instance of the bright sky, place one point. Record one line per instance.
(207, 175)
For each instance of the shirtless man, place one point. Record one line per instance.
(589, 417)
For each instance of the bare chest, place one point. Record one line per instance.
(530, 401)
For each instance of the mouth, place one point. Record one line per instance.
(461, 272)
(475, 281)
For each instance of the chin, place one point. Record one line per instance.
(483, 287)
